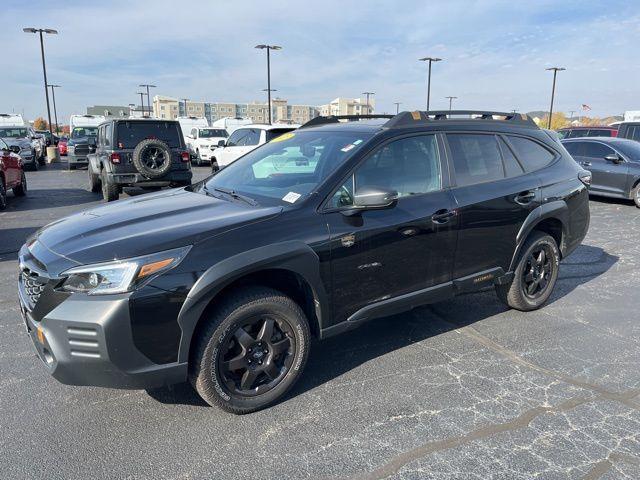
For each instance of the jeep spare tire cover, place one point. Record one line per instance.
(152, 158)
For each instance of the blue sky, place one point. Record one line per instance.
(495, 52)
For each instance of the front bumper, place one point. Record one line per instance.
(174, 178)
(87, 340)
(77, 159)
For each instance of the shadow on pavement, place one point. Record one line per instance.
(336, 356)
(11, 239)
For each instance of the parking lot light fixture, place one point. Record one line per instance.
(141, 102)
(268, 48)
(430, 60)
(148, 86)
(555, 71)
(451, 99)
(40, 31)
(55, 110)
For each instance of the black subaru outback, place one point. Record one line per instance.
(225, 282)
(145, 153)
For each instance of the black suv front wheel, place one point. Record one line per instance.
(535, 274)
(251, 351)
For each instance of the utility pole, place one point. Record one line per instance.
(55, 111)
(148, 86)
(268, 48)
(368, 107)
(430, 60)
(553, 90)
(397, 104)
(44, 67)
(450, 101)
(185, 100)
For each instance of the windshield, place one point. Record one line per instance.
(13, 133)
(276, 132)
(630, 149)
(213, 132)
(80, 132)
(289, 167)
(130, 134)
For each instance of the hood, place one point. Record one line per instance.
(80, 140)
(23, 143)
(146, 224)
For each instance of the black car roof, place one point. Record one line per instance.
(611, 140)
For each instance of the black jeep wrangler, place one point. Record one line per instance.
(145, 153)
(226, 281)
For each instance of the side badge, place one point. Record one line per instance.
(348, 240)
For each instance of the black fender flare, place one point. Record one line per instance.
(556, 209)
(294, 256)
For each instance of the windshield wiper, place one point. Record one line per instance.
(232, 193)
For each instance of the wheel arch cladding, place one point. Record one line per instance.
(290, 267)
(551, 218)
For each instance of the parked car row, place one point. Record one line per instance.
(12, 175)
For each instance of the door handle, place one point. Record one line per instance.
(525, 198)
(586, 164)
(442, 216)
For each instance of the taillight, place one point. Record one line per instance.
(585, 177)
(115, 158)
(185, 156)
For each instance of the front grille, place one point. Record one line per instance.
(82, 149)
(33, 286)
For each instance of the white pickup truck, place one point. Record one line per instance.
(202, 141)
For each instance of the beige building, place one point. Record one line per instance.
(258, 112)
(348, 106)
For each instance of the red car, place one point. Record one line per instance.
(62, 146)
(11, 173)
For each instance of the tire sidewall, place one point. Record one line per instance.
(228, 326)
(555, 264)
(3, 195)
(140, 149)
(636, 195)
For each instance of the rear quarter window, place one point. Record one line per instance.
(532, 155)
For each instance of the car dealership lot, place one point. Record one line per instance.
(459, 389)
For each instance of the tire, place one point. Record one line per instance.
(71, 166)
(21, 190)
(94, 180)
(3, 195)
(110, 191)
(214, 165)
(198, 158)
(635, 195)
(146, 156)
(518, 294)
(243, 316)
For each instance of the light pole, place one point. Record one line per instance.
(268, 48)
(397, 104)
(44, 67)
(55, 111)
(553, 90)
(148, 86)
(430, 60)
(269, 90)
(185, 100)
(141, 102)
(368, 107)
(451, 99)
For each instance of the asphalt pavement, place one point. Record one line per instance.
(461, 389)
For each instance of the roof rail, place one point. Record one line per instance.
(314, 122)
(407, 119)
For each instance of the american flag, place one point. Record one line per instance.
(585, 107)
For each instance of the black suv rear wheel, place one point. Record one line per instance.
(535, 274)
(251, 351)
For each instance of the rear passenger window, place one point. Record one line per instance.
(573, 147)
(599, 133)
(532, 155)
(511, 166)
(596, 150)
(476, 158)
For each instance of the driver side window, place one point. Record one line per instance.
(234, 138)
(410, 166)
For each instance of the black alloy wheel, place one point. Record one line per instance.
(154, 158)
(257, 355)
(537, 271)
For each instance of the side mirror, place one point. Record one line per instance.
(374, 197)
(613, 158)
(221, 143)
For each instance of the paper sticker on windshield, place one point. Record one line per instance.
(351, 146)
(283, 137)
(291, 197)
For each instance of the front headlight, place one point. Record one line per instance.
(121, 275)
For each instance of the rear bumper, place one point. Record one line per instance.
(175, 178)
(88, 341)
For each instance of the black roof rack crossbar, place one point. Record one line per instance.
(314, 122)
(406, 119)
